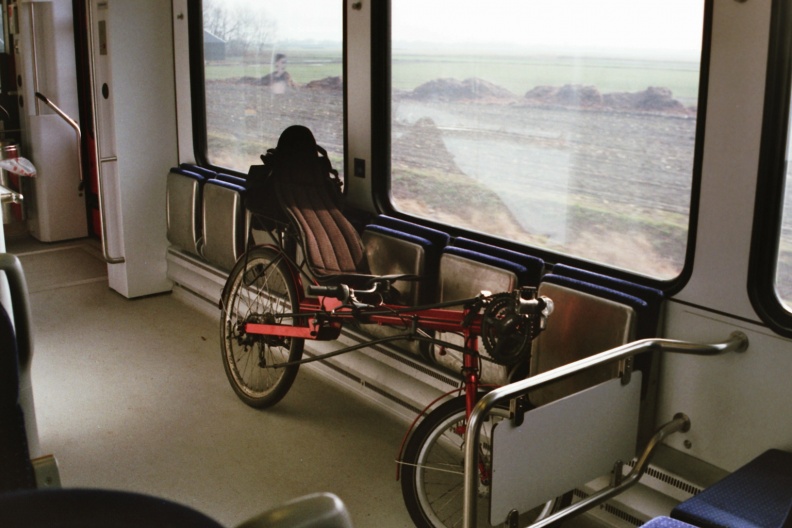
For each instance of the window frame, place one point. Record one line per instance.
(771, 178)
(381, 154)
(198, 91)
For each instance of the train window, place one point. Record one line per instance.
(783, 275)
(552, 123)
(270, 64)
(770, 270)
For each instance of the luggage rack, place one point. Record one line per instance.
(514, 448)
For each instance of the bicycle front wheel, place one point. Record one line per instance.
(432, 470)
(260, 289)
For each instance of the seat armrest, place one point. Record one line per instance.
(320, 510)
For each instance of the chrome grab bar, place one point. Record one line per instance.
(109, 259)
(737, 342)
(9, 196)
(72, 123)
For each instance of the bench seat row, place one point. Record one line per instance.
(207, 218)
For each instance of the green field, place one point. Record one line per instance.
(521, 74)
(517, 74)
(304, 66)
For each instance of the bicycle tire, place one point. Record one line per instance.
(258, 289)
(432, 470)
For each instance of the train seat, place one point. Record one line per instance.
(183, 198)
(16, 468)
(397, 247)
(595, 312)
(466, 272)
(18, 429)
(224, 221)
(649, 306)
(301, 180)
(757, 495)
(111, 508)
(197, 169)
(534, 266)
(666, 522)
(582, 324)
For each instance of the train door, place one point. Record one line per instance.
(130, 105)
(42, 37)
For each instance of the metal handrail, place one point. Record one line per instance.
(737, 342)
(9, 196)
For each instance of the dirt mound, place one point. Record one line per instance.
(423, 146)
(653, 99)
(472, 89)
(328, 83)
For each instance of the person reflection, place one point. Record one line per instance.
(279, 80)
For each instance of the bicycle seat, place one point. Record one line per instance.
(310, 197)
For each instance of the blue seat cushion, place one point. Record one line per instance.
(757, 495)
(238, 180)
(206, 173)
(432, 251)
(666, 522)
(649, 312)
(524, 275)
(436, 237)
(534, 266)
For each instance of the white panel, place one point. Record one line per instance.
(59, 212)
(46, 63)
(111, 188)
(737, 402)
(562, 445)
(735, 104)
(181, 52)
(134, 92)
(359, 101)
(102, 79)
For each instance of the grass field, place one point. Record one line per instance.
(515, 73)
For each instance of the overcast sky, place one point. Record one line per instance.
(606, 24)
(673, 25)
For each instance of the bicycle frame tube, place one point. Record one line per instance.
(327, 312)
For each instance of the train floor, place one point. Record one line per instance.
(131, 395)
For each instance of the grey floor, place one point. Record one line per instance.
(131, 395)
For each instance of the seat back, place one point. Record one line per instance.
(183, 201)
(301, 179)
(16, 470)
(224, 221)
(595, 312)
(467, 271)
(582, 324)
(398, 247)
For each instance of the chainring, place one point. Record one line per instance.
(506, 334)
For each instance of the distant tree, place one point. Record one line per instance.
(245, 28)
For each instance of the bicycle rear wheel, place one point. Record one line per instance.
(259, 289)
(432, 470)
